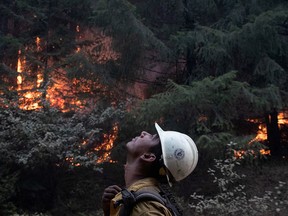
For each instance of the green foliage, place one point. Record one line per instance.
(232, 198)
(8, 179)
(235, 36)
(50, 158)
(34, 138)
(207, 109)
(162, 17)
(131, 37)
(246, 151)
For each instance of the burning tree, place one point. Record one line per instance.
(57, 111)
(56, 54)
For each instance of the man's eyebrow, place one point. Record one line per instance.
(156, 136)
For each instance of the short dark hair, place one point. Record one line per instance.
(158, 164)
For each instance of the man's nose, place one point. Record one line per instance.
(144, 133)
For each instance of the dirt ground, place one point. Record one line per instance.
(269, 180)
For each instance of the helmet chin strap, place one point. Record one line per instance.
(163, 171)
(170, 178)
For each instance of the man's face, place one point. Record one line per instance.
(141, 144)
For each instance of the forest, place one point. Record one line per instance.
(79, 79)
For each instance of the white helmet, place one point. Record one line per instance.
(179, 151)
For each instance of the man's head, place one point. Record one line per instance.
(144, 152)
(167, 153)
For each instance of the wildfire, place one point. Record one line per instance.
(282, 118)
(104, 148)
(70, 160)
(107, 145)
(59, 91)
(262, 135)
(19, 69)
(100, 49)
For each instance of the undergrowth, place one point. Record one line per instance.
(232, 197)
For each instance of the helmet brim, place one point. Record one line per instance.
(160, 131)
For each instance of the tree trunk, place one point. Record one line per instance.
(273, 133)
(190, 58)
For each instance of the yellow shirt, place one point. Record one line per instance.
(144, 208)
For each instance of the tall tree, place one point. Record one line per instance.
(43, 34)
(249, 37)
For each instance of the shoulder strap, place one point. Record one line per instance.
(130, 198)
(151, 195)
(171, 203)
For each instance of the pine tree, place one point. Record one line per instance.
(217, 37)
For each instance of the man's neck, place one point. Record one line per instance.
(133, 173)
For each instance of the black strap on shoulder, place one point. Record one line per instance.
(149, 195)
(128, 201)
(130, 198)
(171, 203)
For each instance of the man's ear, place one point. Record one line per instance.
(148, 157)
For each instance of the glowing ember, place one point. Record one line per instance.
(262, 134)
(77, 28)
(70, 160)
(19, 79)
(282, 118)
(38, 40)
(239, 154)
(104, 148)
(265, 152)
(20, 63)
(107, 145)
(40, 79)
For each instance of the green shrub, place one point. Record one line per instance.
(52, 152)
(232, 198)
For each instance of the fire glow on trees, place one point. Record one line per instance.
(107, 145)
(29, 99)
(262, 135)
(103, 150)
(61, 92)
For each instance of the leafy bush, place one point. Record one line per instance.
(247, 151)
(7, 190)
(45, 152)
(232, 198)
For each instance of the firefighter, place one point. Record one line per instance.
(152, 160)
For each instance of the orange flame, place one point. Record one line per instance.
(282, 118)
(262, 134)
(104, 148)
(107, 145)
(61, 92)
(19, 70)
(70, 160)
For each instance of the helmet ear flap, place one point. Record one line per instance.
(162, 171)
